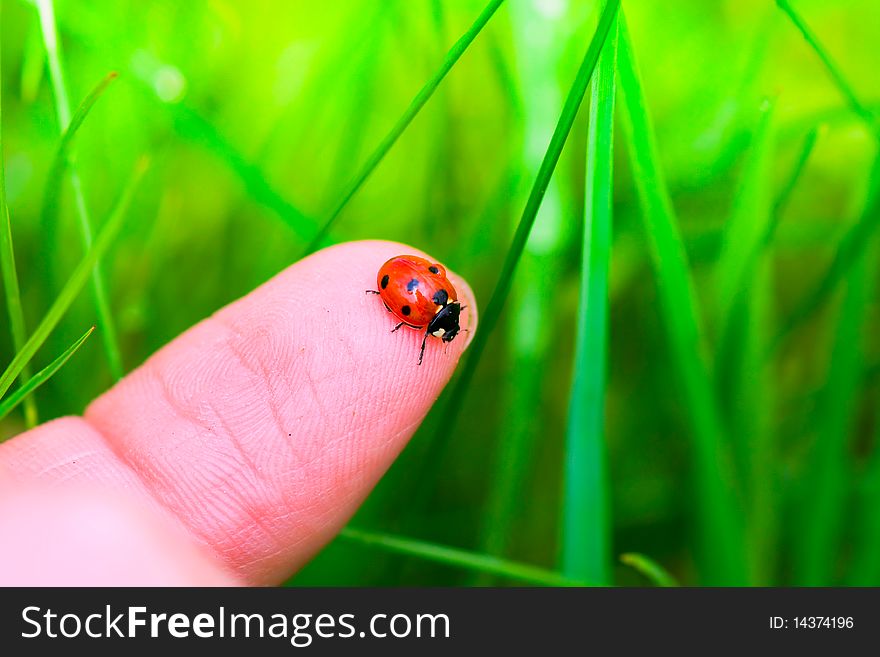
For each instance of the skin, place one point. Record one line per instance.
(234, 453)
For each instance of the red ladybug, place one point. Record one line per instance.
(417, 292)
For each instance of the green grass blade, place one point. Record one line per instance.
(403, 122)
(46, 12)
(10, 275)
(833, 69)
(649, 568)
(529, 340)
(826, 484)
(52, 189)
(758, 392)
(32, 66)
(742, 379)
(489, 318)
(722, 545)
(482, 563)
(41, 377)
(851, 247)
(743, 299)
(586, 537)
(791, 182)
(865, 569)
(745, 230)
(74, 284)
(197, 128)
(59, 164)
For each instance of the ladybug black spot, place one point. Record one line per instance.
(441, 297)
(433, 269)
(406, 310)
(412, 285)
(384, 282)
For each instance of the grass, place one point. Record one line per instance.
(424, 94)
(52, 191)
(74, 284)
(489, 317)
(722, 542)
(191, 123)
(653, 571)
(826, 485)
(743, 300)
(10, 275)
(38, 379)
(536, 102)
(853, 243)
(746, 232)
(794, 177)
(847, 251)
(840, 80)
(462, 559)
(626, 391)
(865, 570)
(586, 524)
(106, 323)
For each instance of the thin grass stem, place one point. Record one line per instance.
(10, 275)
(719, 519)
(586, 522)
(473, 561)
(41, 377)
(826, 483)
(74, 284)
(489, 319)
(415, 106)
(850, 248)
(649, 568)
(840, 80)
(46, 11)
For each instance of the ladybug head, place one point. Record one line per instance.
(445, 323)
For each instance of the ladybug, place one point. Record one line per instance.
(417, 292)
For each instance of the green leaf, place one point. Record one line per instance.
(482, 563)
(833, 69)
(194, 126)
(793, 179)
(744, 297)
(745, 231)
(849, 250)
(489, 319)
(74, 284)
(9, 273)
(722, 543)
(415, 106)
(586, 538)
(826, 486)
(649, 568)
(46, 13)
(865, 569)
(41, 377)
(52, 192)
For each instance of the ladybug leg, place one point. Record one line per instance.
(397, 327)
(422, 351)
(371, 292)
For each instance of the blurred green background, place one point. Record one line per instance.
(257, 116)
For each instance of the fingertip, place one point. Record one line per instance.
(264, 427)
